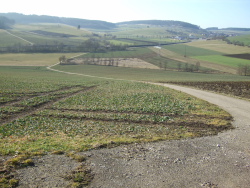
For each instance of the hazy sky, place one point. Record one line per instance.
(205, 13)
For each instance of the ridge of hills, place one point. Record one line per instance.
(162, 23)
(92, 24)
(19, 18)
(28, 19)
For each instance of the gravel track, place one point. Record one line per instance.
(221, 161)
(217, 161)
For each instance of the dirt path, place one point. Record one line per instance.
(20, 38)
(218, 161)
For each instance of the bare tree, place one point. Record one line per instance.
(62, 59)
(197, 66)
(166, 65)
(179, 66)
(244, 70)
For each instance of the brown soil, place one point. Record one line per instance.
(120, 62)
(241, 56)
(239, 89)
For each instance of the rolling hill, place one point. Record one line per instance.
(28, 19)
(169, 23)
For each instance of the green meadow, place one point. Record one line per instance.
(190, 51)
(245, 39)
(223, 60)
(9, 40)
(125, 73)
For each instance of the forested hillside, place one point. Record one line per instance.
(170, 23)
(5, 23)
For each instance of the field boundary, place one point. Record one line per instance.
(172, 55)
(72, 73)
(28, 110)
(20, 38)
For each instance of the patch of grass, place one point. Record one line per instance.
(50, 27)
(9, 40)
(189, 51)
(77, 157)
(80, 177)
(9, 167)
(20, 161)
(16, 81)
(7, 182)
(245, 39)
(147, 74)
(224, 60)
(220, 46)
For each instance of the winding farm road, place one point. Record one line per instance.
(221, 161)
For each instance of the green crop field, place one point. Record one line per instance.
(9, 40)
(207, 51)
(57, 28)
(47, 40)
(245, 39)
(42, 110)
(219, 46)
(224, 60)
(147, 74)
(190, 50)
(117, 42)
(143, 31)
(27, 32)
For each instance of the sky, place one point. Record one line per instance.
(204, 13)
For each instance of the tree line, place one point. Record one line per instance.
(244, 70)
(6, 23)
(90, 45)
(234, 42)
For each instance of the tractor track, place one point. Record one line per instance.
(29, 110)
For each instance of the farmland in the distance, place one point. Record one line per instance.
(212, 54)
(245, 39)
(91, 85)
(147, 74)
(95, 98)
(239, 89)
(102, 105)
(219, 46)
(224, 60)
(32, 59)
